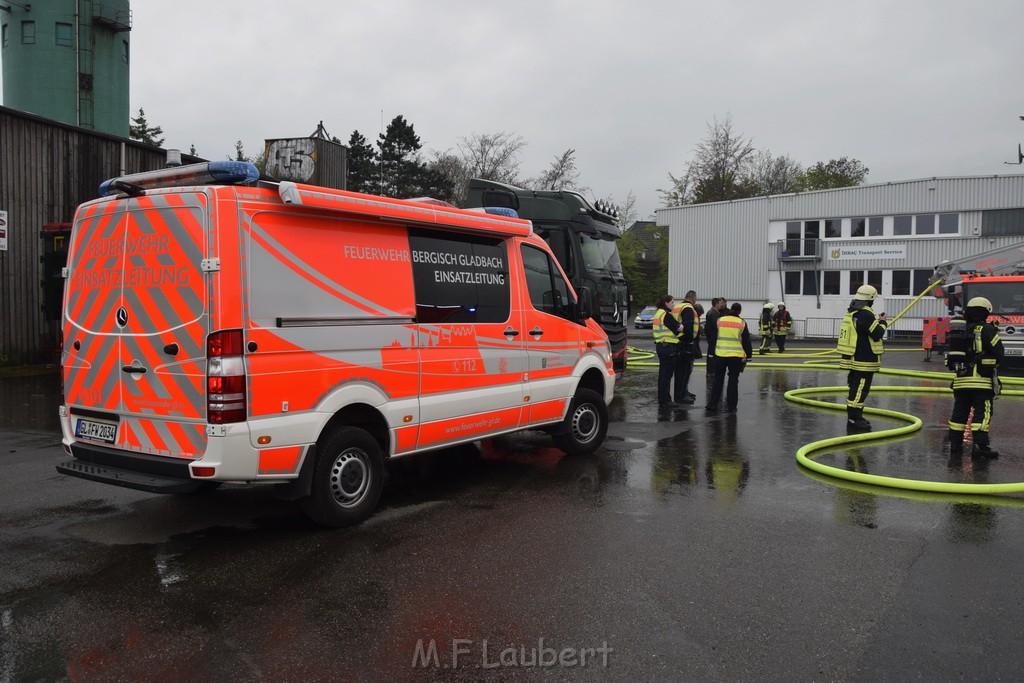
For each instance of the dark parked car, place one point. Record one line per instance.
(645, 318)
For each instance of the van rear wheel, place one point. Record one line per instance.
(347, 479)
(585, 424)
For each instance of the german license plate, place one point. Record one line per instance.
(1014, 351)
(96, 431)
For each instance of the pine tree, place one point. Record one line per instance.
(363, 174)
(141, 130)
(399, 163)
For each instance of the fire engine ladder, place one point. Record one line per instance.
(1003, 261)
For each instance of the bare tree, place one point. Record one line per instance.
(562, 174)
(494, 156)
(770, 174)
(628, 213)
(720, 164)
(452, 169)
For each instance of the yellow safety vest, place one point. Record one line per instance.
(661, 333)
(845, 346)
(730, 335)
(678, 313)
(853, 363)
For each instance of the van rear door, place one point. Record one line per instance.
(135, 325)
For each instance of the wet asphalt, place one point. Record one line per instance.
(690, 547)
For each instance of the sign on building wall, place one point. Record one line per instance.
(3, 231)
(859, 253)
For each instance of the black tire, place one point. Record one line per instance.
(348, 474)
(585, 424)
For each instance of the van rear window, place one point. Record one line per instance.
(459, 278)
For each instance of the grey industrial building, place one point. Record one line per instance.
(813, 249)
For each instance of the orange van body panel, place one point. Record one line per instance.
(324, 291)
(280, 460)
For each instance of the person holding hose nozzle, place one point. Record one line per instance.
(766, 328)
(975, 352)
(860, 346)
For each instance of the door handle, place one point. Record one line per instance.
(133, 370)
(511, 332)
(536, 331)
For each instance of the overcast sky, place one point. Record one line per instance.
(911, 88)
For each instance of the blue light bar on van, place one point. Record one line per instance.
(501, 211)
(207, 173)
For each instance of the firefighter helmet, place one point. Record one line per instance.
(980, 301)
(782, 304)
(768, 305)
(865, 293)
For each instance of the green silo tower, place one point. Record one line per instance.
(68, 60)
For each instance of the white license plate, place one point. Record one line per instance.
(97, 431)
(1013, 351)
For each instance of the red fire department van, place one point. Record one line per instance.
(221, 329)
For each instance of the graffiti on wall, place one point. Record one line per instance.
(293, 159)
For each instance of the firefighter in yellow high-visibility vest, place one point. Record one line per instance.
(732, 351)
(860, 349)
(665, 329)
(976, 383)
(689, 329)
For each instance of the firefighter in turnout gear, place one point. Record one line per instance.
(975, 353)
(860, 346)
(765, 327)
(782, 321)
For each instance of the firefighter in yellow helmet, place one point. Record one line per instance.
(765, 327)
(860, 347)
(782, 321)
(974, 356)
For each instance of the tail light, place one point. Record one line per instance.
(225, 378)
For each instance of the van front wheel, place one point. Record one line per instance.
(347, 478)
(585, 424)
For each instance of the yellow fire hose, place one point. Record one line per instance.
(821, 360)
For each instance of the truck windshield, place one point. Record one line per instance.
(1007, 297)
(600, 255)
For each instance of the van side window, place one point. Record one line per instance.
(548, 291)
(459, 278)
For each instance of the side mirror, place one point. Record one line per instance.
(585, 305)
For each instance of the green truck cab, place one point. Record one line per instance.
(584, 240)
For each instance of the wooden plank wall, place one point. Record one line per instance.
(46, 170)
